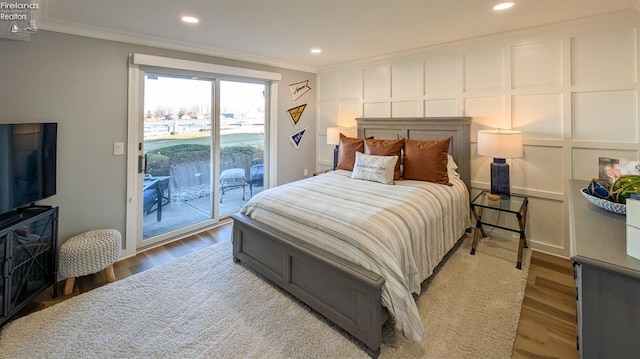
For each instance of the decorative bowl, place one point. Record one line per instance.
(614, 207)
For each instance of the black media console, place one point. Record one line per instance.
(28, 257)
(10, 218)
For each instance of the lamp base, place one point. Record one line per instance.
(335, 157)
(500, 183)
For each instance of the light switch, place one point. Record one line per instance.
(118, 148)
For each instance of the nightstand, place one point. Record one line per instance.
(322, 172)
(514, 204)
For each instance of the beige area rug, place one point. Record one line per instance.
(205, 306)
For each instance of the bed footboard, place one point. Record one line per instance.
(346, 294)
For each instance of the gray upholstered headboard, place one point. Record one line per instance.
(426, 129)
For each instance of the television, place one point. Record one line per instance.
(27, 164)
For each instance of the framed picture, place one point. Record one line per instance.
(608, 169)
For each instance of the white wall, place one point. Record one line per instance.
(572, 88)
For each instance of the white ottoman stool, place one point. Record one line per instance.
(88, 253)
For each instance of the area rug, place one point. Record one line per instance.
(205, 306)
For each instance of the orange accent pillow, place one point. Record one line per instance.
(347, 149)
(427, 160)
(386, 148)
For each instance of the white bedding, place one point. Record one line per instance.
(399, 231)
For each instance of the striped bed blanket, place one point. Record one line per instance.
(399, 231)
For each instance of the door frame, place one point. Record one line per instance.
(145, 243)
(135, 84)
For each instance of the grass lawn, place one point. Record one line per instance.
(203, 138)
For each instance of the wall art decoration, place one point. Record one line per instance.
(296, 138)
(299, 88)
(296, 112)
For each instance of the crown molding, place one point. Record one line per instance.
(530, 34)
(55, 25)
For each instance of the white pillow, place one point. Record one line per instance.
(374, 168)
(452, 166)
(628, 167)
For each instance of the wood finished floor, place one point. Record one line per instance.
(547, 326)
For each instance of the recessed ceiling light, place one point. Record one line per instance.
(503, 6)
(190, 19)
(316, 51)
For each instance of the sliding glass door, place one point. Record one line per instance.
(178, 186)
(198, 145)
(197, 166)
(242, 129)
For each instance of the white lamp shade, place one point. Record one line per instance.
(333, 135)
(500, 143)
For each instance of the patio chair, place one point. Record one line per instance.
(232, 178)
(156, 193)
(256, 174)
(150, 199)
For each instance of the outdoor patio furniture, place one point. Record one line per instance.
(155, 194)
(256, 174)
(232, 178)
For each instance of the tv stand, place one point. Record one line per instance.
(28, 257)
(32, 207)
(20, 213)
(10, 218)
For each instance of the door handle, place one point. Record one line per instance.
(142, 164)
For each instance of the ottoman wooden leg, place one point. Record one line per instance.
(111, 276)
(68, 285)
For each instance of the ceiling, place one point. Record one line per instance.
(282, 32)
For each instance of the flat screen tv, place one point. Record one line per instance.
(27, 164)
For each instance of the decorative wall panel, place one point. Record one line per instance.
(538, 116)
(406, 109)
(349, 111)
(443, 75)
(377, 109)
(484, 70)
(351, 85)
(551, 213)
(487, 113)
(480, 166)
(328, 87)
(609, 116)
(604, 57)
(539, 169)
(327, 116)
(444, 107)
(407, 78)
(377, 83)
(537, 65)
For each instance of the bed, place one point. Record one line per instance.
(305, 258)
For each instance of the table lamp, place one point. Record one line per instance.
(500, 144)
(333, 138)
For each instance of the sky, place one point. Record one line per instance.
(176, 93)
